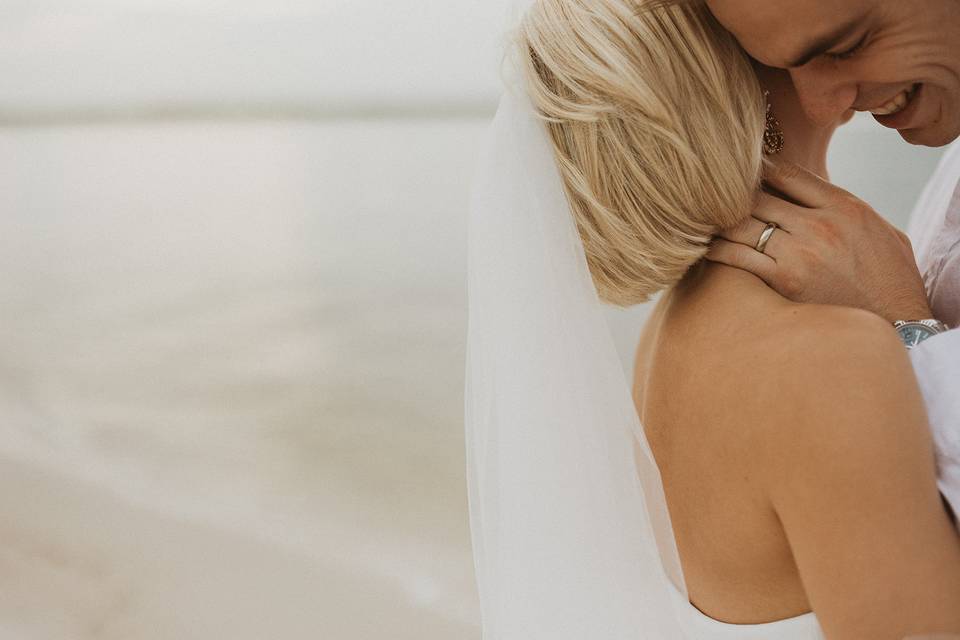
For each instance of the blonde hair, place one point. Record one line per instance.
(657, 121)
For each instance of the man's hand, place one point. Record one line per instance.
(831, 248)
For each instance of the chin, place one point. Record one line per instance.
(935, 135)
(939, 133)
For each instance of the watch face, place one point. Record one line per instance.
(913, 334)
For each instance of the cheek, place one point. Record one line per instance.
(904, 57)
(942, 89)
(947, 81)
(886, 67)
(945, 105)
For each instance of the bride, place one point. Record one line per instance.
(782, 484)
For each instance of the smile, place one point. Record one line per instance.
(897, 104)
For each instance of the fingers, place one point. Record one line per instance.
(743, 257)
(748, 233)
(802, 186)
(768, 208)
(787, 215)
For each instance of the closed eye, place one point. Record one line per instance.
(844, 55)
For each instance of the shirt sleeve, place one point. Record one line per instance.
(936, 362)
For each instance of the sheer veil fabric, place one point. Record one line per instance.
(571, 533)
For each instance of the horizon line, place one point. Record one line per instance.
(187, 112)
(198, 112)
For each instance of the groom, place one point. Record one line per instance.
(899, 60)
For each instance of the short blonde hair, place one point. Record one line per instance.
(657, 121)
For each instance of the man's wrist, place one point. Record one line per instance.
(912, 310)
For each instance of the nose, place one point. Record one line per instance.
(824, 95)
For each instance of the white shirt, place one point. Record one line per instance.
(935, 233)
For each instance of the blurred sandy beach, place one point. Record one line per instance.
(235, 335)
(77, 562)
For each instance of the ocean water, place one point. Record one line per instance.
(254, 325)
(257, 326)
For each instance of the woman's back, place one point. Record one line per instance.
(693, 357)
(792, 442)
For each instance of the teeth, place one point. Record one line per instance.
(893, 106)
(896, 105)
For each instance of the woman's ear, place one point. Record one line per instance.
(777, 81)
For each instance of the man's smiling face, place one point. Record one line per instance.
(899, 59)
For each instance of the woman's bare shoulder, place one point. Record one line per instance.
(801, 347)
(847, 460)
(821, 360)
(815, 326)
(818, 369)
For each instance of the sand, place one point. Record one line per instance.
(79, 563)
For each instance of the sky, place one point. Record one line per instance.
(324, 55)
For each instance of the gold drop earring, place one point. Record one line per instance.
(773, 134)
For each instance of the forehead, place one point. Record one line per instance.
(773, 31)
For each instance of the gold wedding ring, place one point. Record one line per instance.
(765, 236)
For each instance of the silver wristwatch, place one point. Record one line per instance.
(913, 332)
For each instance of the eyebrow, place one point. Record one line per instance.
(824, 43)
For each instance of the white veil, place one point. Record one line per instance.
(571, 533)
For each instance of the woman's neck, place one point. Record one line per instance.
(805, 142)
(715, 285)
